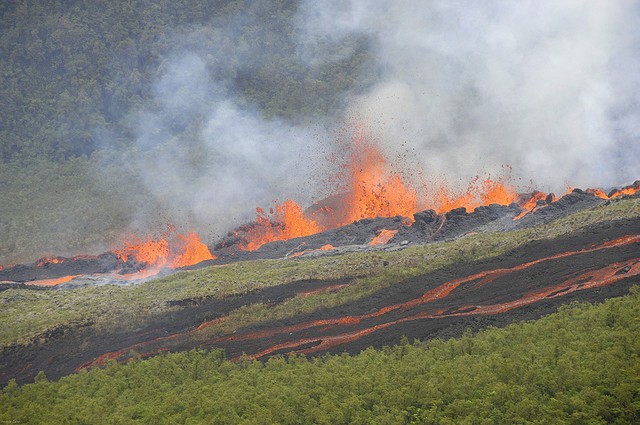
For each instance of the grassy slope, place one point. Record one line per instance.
(586, 371)
(30, 313)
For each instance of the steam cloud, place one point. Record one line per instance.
(550, 88)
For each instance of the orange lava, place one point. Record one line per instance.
(630, 190)
(479, 192)
(52, 282)
(190, 251)
(286, 222)
(598, 192)
(384, 237)
(174, 250)
(142, 274)
(627, 190)
(53, 260)
(373, 189)
(530, 204)
(370, 188)
(327, 247)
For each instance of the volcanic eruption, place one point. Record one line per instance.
(372, 204)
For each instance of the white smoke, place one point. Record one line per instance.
(234, 160)
(550, 88)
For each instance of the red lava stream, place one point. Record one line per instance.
(606, 275)
(593, 279)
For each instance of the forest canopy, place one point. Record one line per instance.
(577, 366)
(75, 73)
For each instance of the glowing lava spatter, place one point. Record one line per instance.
(479, 192)
(286, 221)
(627, 190)
(173, 250)
(52, 260)
(373, 189)
(369, 188)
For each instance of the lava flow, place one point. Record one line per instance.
(441, 291)
(323, 334)
(52, 282)
(383, 237)
(603, 276)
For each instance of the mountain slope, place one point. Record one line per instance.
(578, 365)
(338, 303)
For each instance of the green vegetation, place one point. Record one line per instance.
(578, 366)
(75, 77)
(112, 308)
(73, 72)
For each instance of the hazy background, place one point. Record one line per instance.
(550, 88)
(130, 116)
(546, 87)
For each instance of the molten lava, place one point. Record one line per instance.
(286, 222)
(627, 190)
(174, 250)
(327, 247)
(46, 261)
(370, 188)
(383, 237)
(479, 192)
(190, 250)
(373, 189)
(52, 282)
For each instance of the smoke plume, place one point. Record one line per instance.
(549, 88)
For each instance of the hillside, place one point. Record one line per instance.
(334, 303)
(80, 70)
(290, 211)
(86, 108)
(575, 366)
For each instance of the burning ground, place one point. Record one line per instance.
(472, 275)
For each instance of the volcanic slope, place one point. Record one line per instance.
(330, 304)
